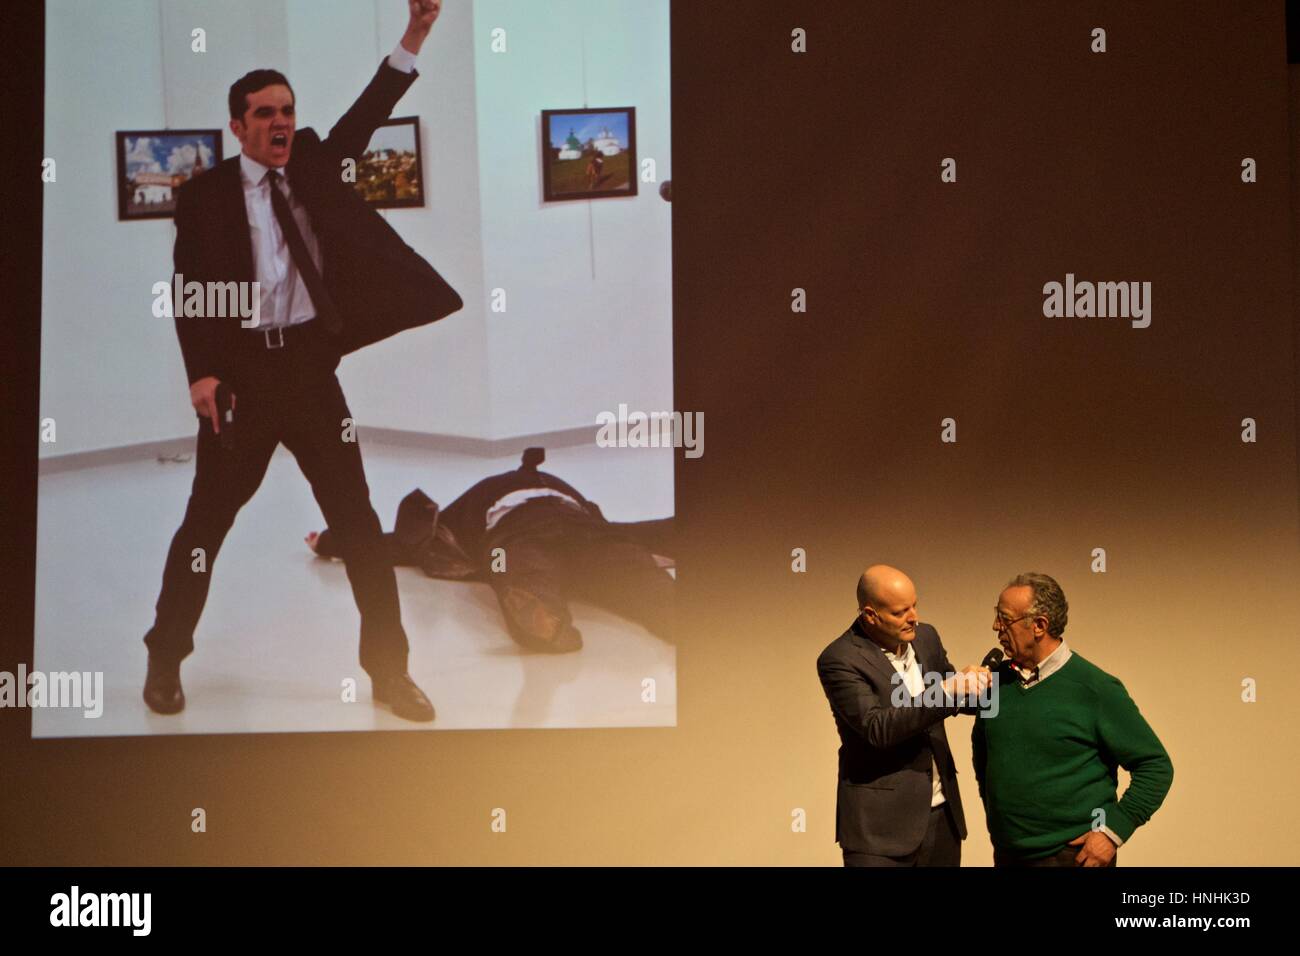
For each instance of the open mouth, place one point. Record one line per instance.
(279, 140)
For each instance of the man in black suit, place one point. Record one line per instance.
(331, 276)
(898, 803)
(536, 541)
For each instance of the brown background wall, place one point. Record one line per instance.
(821, 171)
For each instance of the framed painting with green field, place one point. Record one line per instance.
(390, 173)
(588, 153)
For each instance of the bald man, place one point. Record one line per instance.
(897, 802)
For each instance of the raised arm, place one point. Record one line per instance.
(351, 134)
(422, 15)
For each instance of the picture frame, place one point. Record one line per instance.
(152, 164)
(588, 153)
(390, 173)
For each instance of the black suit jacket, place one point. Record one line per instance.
(378, 283)
(413, 542)
(885, 781)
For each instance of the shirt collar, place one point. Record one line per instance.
(904, 658)
(253, 171)
(1052, 663)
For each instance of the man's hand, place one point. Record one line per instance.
(1098, 849)
(203, 396)
(423, 13)
(970, 682)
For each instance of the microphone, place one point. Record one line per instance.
(993, 659)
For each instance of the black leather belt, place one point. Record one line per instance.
(287, 336)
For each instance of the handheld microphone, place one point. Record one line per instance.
(993, 659)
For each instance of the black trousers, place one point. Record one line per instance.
(556, 552)
(941, 846)
(288, 395)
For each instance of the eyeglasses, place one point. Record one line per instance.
(1003, 623)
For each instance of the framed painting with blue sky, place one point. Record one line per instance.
(588, 153)
(152, 164)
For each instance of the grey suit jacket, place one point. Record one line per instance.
(885, 788)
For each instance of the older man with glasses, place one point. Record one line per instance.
(1046, 762)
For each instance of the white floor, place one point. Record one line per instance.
(279, 634)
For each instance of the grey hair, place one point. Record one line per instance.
(1048, 600)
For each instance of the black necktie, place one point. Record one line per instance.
(325, 310)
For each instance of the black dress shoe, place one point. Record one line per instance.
(401, 694)
(162, 687)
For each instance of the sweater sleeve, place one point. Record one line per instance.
(1126, 739)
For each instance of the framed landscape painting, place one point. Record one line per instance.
(588, 153)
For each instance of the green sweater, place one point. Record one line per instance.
(1048, 760)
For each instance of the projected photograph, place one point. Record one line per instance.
(152, 164)
(588, 153)
(302, 467)
(388, 172)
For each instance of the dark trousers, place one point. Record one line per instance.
(1062, 857)
(288, 395)
(941, 846)
(556, 552)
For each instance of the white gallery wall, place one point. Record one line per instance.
(588, 283)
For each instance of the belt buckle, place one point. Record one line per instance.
(278, 341)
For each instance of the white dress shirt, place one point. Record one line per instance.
(508, 503)
(1049, 665)
(906, 665)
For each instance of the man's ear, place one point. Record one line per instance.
(237, 127)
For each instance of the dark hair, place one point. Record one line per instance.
(1048, 600)
(251, 83)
